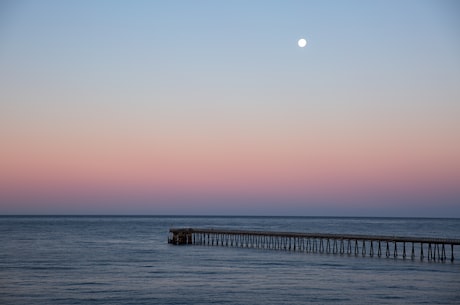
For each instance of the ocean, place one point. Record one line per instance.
(127, 260)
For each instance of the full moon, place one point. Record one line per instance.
(302, 42)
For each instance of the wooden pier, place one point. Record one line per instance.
(433, 249)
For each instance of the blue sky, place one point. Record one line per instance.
(215, 102)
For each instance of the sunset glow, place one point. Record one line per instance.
(107, 115)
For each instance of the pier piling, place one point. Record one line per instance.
(316, 242)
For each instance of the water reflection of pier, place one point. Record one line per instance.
(433, 249)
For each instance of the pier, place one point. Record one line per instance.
(432, 249)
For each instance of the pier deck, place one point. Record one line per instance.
(388, 246)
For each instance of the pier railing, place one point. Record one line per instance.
(433, 249)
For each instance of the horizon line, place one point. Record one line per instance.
(216, 216)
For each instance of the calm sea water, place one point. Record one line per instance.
(126, 260)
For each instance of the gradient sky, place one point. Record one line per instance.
(210, 107)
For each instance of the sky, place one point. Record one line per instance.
(211, 108)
